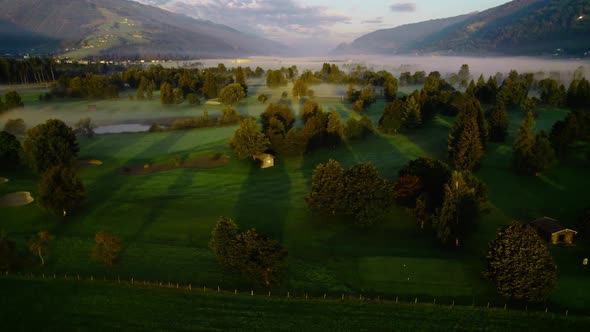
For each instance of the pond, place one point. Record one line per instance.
(122, 128)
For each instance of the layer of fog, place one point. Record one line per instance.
(398, 64)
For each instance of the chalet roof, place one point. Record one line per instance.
(548, 225)
(262, 156)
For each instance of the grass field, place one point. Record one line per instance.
(98, 306)
(165, 219)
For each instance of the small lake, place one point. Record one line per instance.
(122, 128)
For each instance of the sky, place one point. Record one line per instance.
(316, 26)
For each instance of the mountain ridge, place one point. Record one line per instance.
(126, 29)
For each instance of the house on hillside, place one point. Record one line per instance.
(266, 160)
(553, 231)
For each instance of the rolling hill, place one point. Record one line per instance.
(120, 28)
(398, 40)
(520, 27)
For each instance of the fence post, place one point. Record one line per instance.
(396, 299)
(43, 274)
(453, 305)
(91, 278)
(204, 289)
(342, 297)
(235, 291)
(504, 307)
(416, 300)
(218, 289)
(176, 285)
(488, 305)
(251, 292)
(324, 296)
(434, 302)
(288, 294)
(546, 309)
(190, 287)
(132, 281)
(306, 296)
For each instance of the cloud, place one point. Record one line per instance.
(403, 7)
(377, 20)
(278, 19)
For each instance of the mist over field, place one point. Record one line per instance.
(398, 64)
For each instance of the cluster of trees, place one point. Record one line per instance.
(361, 99)
(51, 150)
(565, 133)
(406, 78)
(275, 78)
(106, 251)
(88, 86)
(532, 153)
(280, 136)
(11, 100)
(256, 256)
(445, 202)
(45, 70)
(358, 193)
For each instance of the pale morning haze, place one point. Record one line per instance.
(317, 26)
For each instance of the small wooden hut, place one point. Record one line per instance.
(266, 160)
(554, 231)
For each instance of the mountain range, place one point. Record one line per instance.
(520, 27)
(118, 28)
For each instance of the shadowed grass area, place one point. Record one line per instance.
(136, 308)
(165, 219)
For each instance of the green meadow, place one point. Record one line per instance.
(165, 219)
(99, 306)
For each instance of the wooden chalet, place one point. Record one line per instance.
(553, 231)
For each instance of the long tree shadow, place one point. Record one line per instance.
(264, 200)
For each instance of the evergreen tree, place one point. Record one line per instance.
(391, 120)
(520, 264)
(390, 89)
(241, 79)
(524, 144)
(465, 143)
(411, 114)
(459, 211)
(543, 153)
(210, 86)
(468, 152)
(498, 123)
(166, 94)
(335, 127)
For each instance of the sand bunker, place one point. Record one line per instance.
(16, 199)
(213, 102)
(89, 163)
(3, 180)
(200, 163)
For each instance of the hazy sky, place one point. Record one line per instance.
(319, 24)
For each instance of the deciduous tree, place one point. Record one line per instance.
(248, 140)
(107, 248)
(520, 264)
(39, 245)
(50, 144)
(61, 191)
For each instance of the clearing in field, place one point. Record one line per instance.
(16, 199)
(200, 163)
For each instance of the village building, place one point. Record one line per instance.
(553, 231)
(266, 160)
